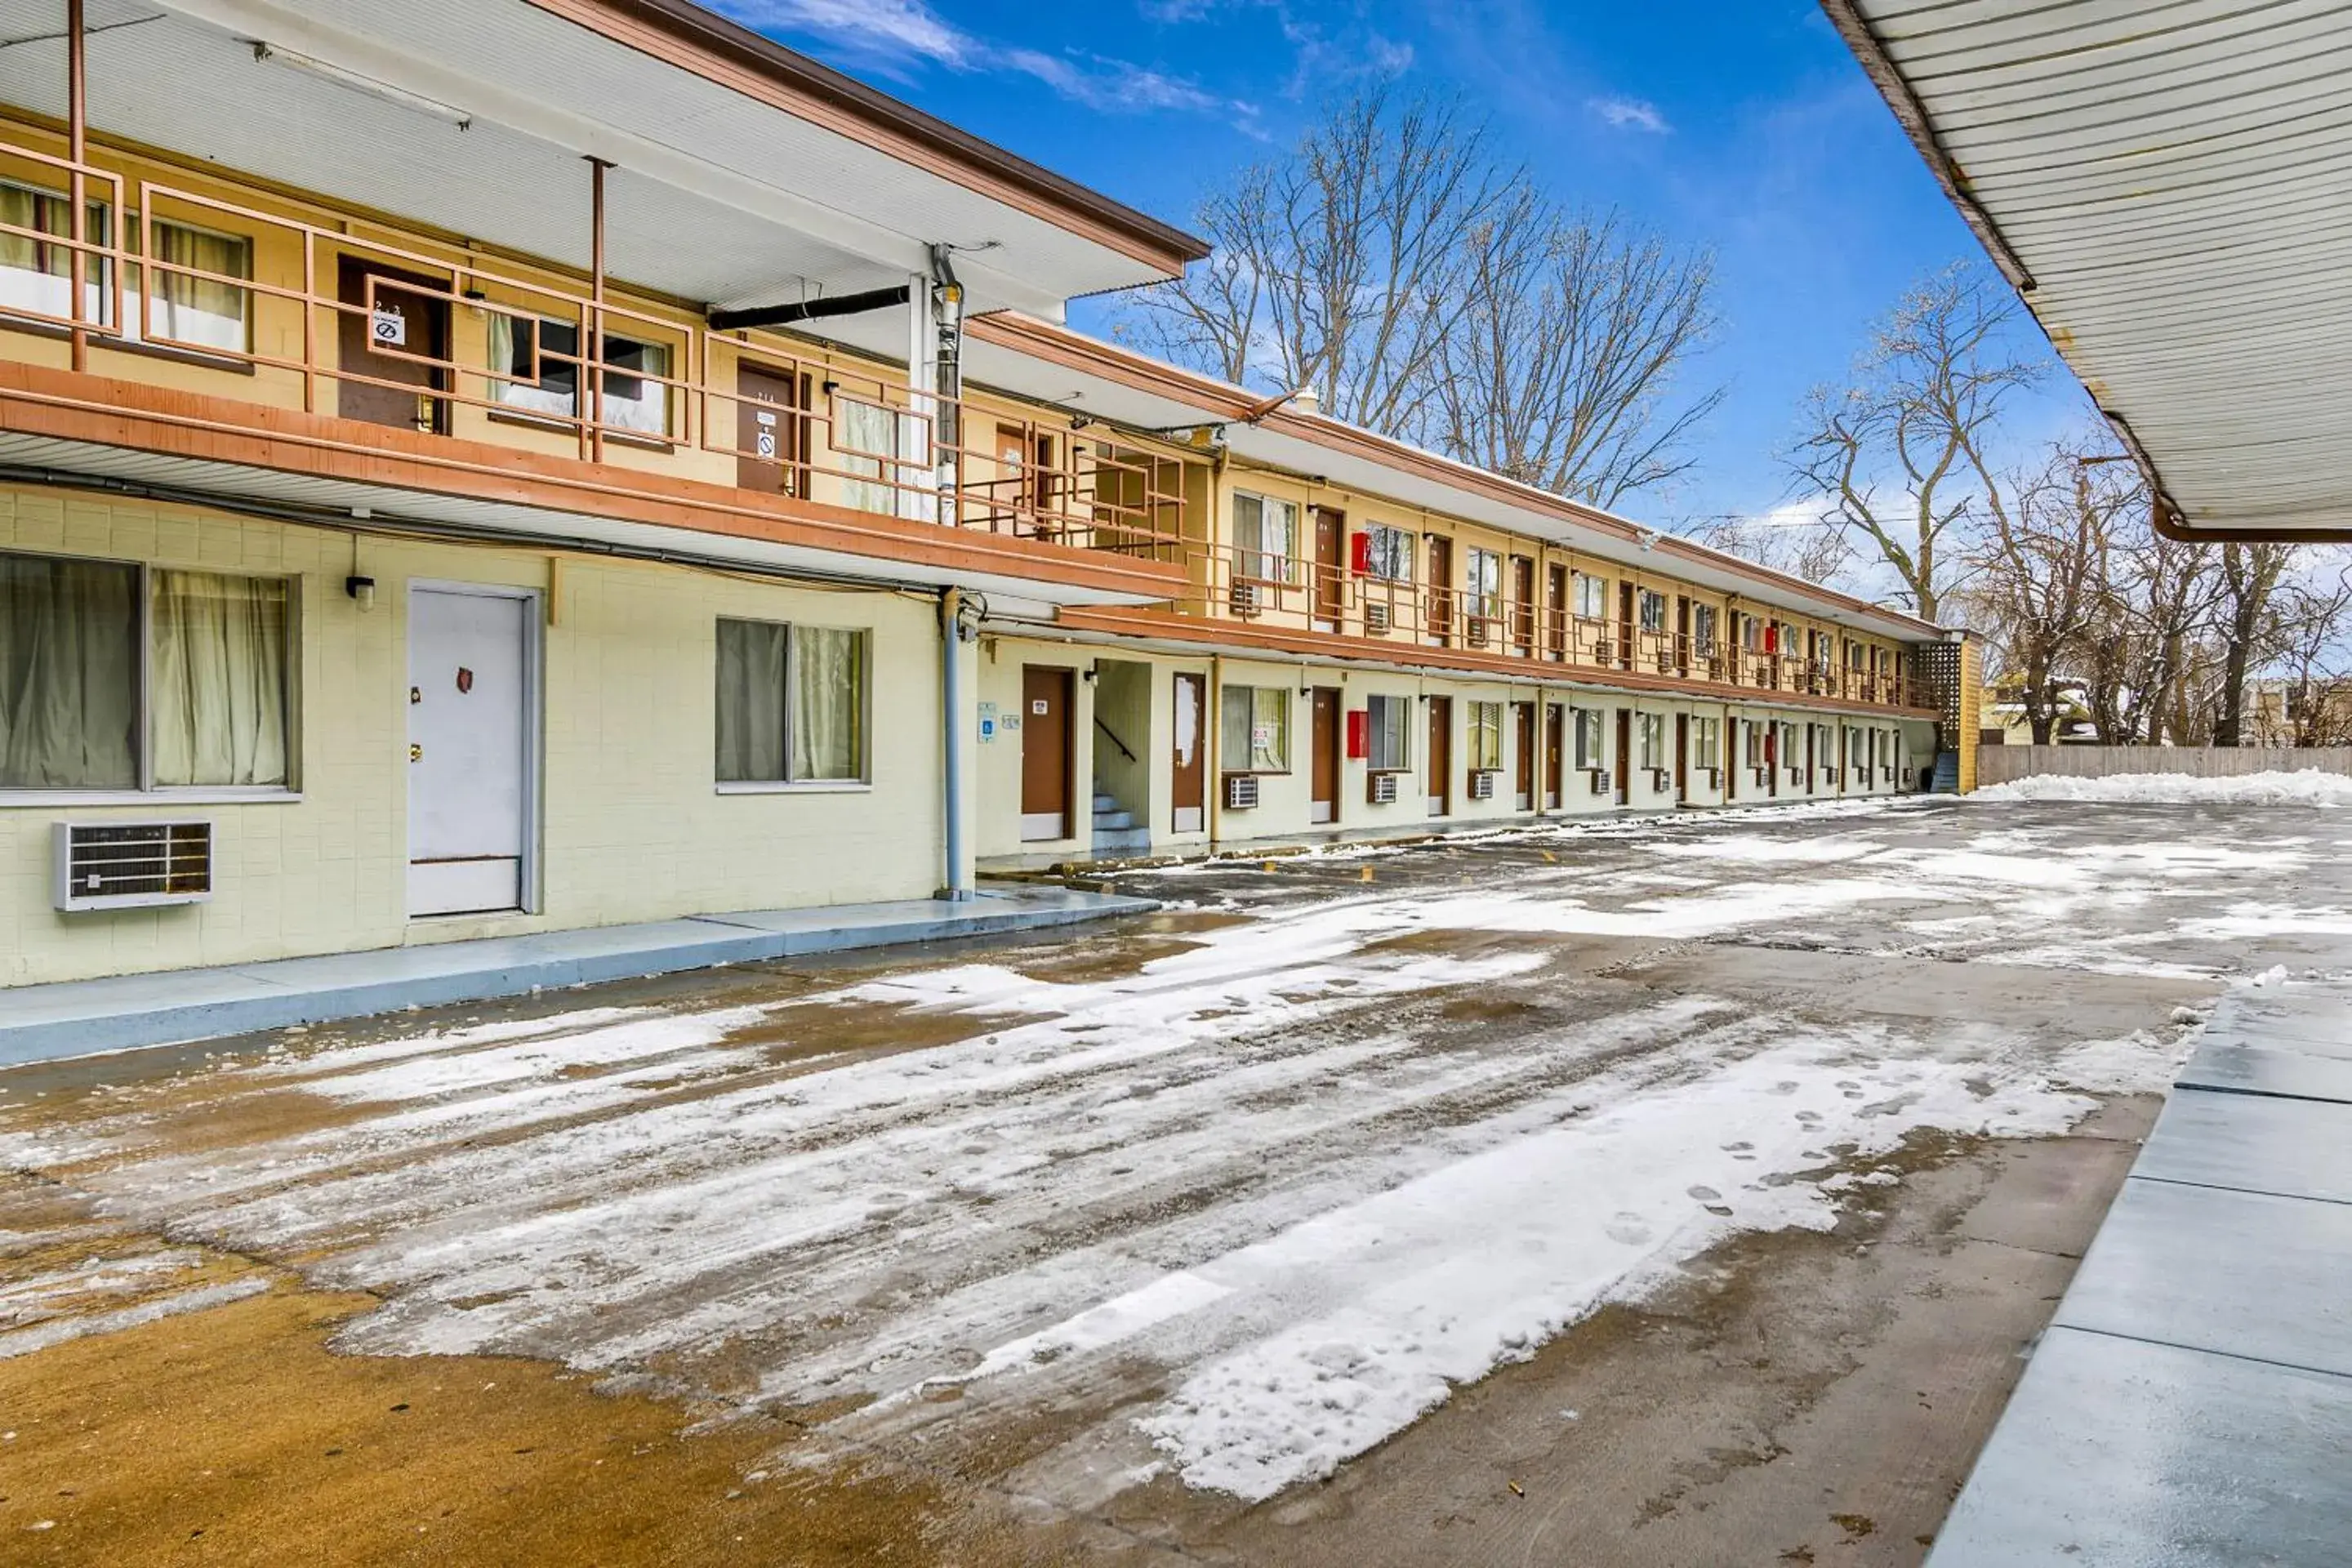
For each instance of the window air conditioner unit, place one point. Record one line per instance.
(1600, 782)
(1241, 792)
(1376, 619)
(1481, 784)
(1475, 631)
(1247, 598)
(1383, 790)
(131, 865)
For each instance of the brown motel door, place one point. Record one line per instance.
(399, 342)
(1189, 793)
(1330, 572)
(1045, 753)
(771, 430)
(1625, 755)
(1441, 587)
(1682, 758)
(1441, 755)
(1555, 752)
(1323, 800)
(1523, 739)
(1625, 636)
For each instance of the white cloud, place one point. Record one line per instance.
(1632, 112)
(897, 32)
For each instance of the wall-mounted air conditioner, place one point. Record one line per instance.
(1600, 781)
(1383, 789)
(1475, 631)
(1241, 792)
(1481, 784)
(131, 865)
(1247, 598)
(1376, 619)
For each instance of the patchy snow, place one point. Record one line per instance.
(2306, 786)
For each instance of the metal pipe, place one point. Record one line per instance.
(1214, 718)
(957, 890)
(593, 350)
(810, 309)
(77, 150)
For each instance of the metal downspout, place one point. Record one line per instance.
(1214, 718)
(956, 889)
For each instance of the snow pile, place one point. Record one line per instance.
(2307, 786)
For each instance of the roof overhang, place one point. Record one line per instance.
(741, 173)
(1052, 364)
(2166, 187)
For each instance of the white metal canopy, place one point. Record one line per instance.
(2169, 184)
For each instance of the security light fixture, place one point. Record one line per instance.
(363, 591)
(342, 75)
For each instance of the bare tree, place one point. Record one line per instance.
(1903, 455)
(2313, 665)
(2039, 573)
(1561, 371)
(1801, 546)
(2249, 627)
(1421, 287)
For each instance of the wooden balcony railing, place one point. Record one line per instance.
(332, 321)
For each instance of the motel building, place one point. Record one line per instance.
(487, 469)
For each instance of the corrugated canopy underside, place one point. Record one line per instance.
(2169, 180)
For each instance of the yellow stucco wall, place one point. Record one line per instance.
(632, 826)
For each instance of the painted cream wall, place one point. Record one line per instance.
(633, 827)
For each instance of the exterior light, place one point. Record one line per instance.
(363, 591)
(383, 90)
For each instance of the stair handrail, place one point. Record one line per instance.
(1114, 737)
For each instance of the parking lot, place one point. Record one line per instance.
(1575, 1194)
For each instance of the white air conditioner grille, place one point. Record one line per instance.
(1482, 785)
(1476, 631)
(1384, 789)
(1241, 792)
(1247, 598)
(1376, 619)
(131, 865)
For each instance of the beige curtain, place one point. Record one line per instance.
(216, 669)
(828, 705)
(752, 702)
(865, 427)
(202, 310)
(68, 674)
(38, 277)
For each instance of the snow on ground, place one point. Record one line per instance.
(1235, 1211)
(2306, 787)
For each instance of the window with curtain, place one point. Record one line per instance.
(1265, 538)
(1591, 597)
(37, 275)
(1486, 736)
(1654, 610)
(1706, 743)
(861, 429)
(1390, 552)
(207, 312)
(1703, 629)
(1654, 739)
(1588, 738)
(1483, 580)
(790, 704)
(1390, 720)
(543, 358)
(214, 710)
(1255, 737)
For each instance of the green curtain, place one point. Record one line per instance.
(752, 702)
(68, 674)
(217, 669)
(828, 704)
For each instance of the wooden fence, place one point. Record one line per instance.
(1999, 764)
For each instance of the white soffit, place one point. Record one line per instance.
(2170, 183)
(714, 197)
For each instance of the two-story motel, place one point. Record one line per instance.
(481, 467)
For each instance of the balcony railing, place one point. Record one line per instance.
(1280, 591)
(330, 320)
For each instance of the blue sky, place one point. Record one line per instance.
(1741, 125)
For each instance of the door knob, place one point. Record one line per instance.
(416, 753)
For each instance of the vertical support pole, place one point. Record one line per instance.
(591, 355)
(919, 426)
(77, 191)
(956, 890)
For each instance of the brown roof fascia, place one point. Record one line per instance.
(1232, 404)
(692, 38)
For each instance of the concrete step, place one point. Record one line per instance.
(1121, 840)
(1113, 821)
(1105, 801)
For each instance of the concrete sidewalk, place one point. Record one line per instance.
(2192, 1400)
(80, 1018)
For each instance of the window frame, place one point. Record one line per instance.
(1400, 760)
(864, 781)
(1592, 586)
(1585, 723)
(289, 698)
(1259, 555)
(576, 364)
(1647, 599)
(1402, 541)
(1224, 709)
(1649, 741)
(1483, 735)
(1482, 582)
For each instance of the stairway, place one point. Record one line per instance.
(1117, 833)
(1947, 773)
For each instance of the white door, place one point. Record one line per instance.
(470, 704)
